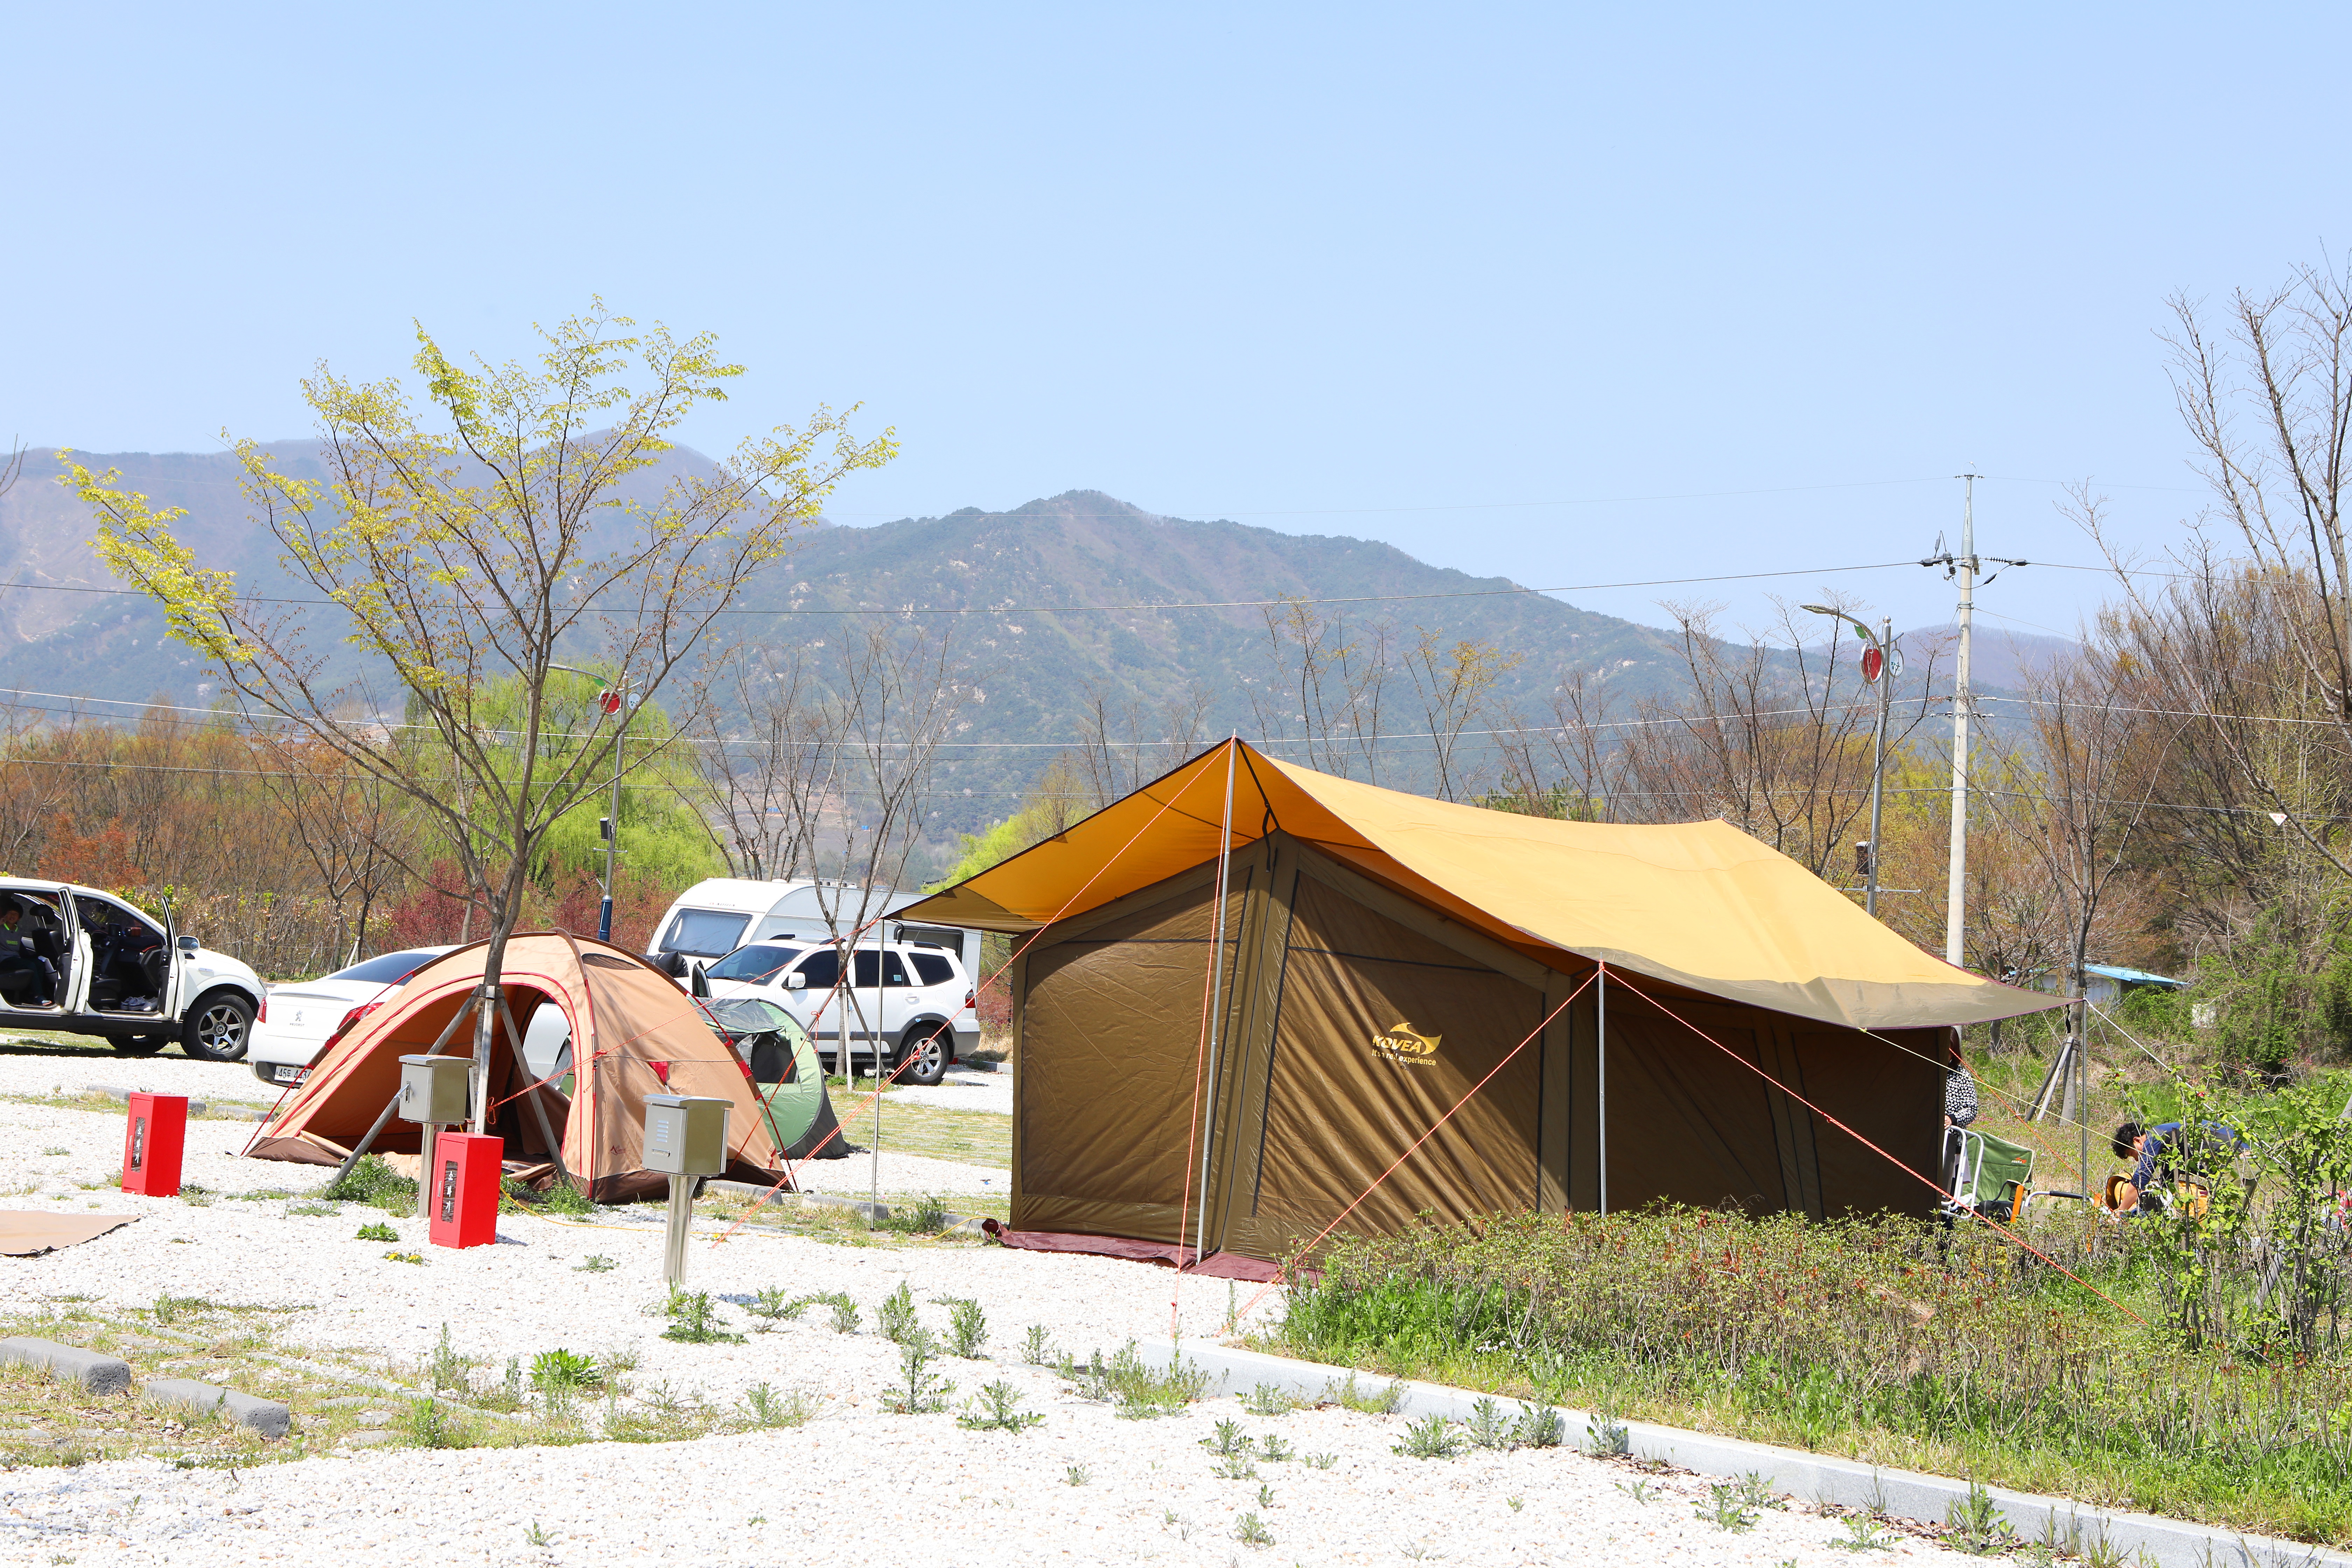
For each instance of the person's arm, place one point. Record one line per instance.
(1959, 1097)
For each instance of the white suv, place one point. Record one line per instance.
(911, 998)
(74, 959)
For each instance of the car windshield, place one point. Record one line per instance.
(386, 968)
(705, 933)
(759, 964)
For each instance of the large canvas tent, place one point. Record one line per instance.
(633, 1033)
(1378, 956)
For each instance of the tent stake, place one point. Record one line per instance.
(360, 1147)
(1600, 1072)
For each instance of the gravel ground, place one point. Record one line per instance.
(903, 1173)
(26, 1070)
(856, 1485)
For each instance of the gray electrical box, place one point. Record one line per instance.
(433, 1089)
(685, 1135)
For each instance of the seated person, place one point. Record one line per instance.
(25, 971)
(2156, 1153)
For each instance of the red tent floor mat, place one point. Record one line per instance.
(1216, 1266)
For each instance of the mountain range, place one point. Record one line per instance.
(1052, 604)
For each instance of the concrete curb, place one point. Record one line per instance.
(267, 1416)
(94, 1370)
(1815, 1478)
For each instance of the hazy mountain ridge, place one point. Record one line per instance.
(1023, 585)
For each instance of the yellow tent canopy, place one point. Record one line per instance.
(1700, 905)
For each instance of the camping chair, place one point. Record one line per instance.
(1992, 1177)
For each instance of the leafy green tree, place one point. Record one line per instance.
(474, 554)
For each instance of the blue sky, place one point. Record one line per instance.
(1565, 296)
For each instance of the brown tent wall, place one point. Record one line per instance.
(1334, 984)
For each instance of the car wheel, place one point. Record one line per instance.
(139, 1044)
(929, 1052)
(217, 1031)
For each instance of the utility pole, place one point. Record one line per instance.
(1965, 564)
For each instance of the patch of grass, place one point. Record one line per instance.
(169, 1309)
(594, 1263)
(430, 1425)
(966, 1137)
(1251, 1532)
(1137, 1389)
(311, 1210)
(928, 1217)
(765, 1410)
(1977, 1528)
(1347, 1396)
(563, 1198)
(373, 1182)
(1864, 1533)
(376, 1230)
(1864, 1339)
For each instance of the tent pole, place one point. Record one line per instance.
(1600, 1073)
(1216, 1006)
(546, 1126)
(392, 1105)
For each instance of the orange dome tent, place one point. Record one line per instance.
(634, 1033)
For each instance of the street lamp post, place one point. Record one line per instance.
(1878, 648)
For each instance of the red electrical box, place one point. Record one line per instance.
(465, 1197)
(151, 1144)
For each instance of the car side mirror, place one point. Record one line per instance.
(188, 945)
(795, 981)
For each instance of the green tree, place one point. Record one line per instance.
(472, 554)
(1058, 801)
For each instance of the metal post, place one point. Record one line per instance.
(1600, 1072)
(613, 842)
(1878, 757)
(425, 1157)
(681, 1217)
(1216, 1006)
(1956, 897)
(2083, 1090)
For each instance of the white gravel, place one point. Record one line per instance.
(857, 1485)
(906, 1174)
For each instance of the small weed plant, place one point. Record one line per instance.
(693, 1321)
(1726, 1509)
(1321, 1462)
(993, 1410)
(1343, 1392)
(928, 1217)
(967, 1328)
(1273, 1448)
(376, 1230)
(403, 1258)
(920, 1391)
(896, 1315)
(445, 1369)
(563, 1198)
(1076, 1475)
(1488, 1428)
(1266, 1399)
(428, 1425)
(1977, 1528)
(594, 1263)
(1863, 1532)
(560, 1368)
(1431, 1438)
(376, 1183)
(1235, 1466)
(1250, 1531)
(1228, 1438)
(765, 1410)
(1038, 1346)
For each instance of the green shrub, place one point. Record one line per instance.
(377, 1231)
(373, 1182)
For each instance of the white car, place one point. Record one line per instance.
(303, 1019)
(82, 961)
(912, 998)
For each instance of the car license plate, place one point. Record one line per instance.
(289, 1074)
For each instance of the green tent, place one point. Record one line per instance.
(784, 1074)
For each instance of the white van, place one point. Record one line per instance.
(713, 917)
